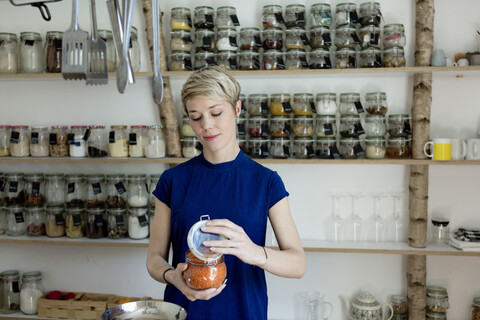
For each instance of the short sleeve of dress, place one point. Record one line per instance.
(163, 190)
(276, 190)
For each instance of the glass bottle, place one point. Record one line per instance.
(107, 36)
(437, 299)
(75, 224)
(250, 39)
(227, 59)
(326, 126)
(58, 141)
(351, 126)
(180, 19)
(55, 221)
(5, 141)
(326, 104)
(54, 189)
(3, 222)
(394, 58)
(227, 40)
(295, 15)
(96, 191)
(14, 188)
(320, 37)
(350, 104)
(375, 125)
(226, 18)
(346, 37)
(296, 59)
(16, 225)
(75, 190)
(137, 190)
(280, 104)
(10, 294)
(303, 104)
(370, 36)
(9, 53)
(272, 38)
(398, 125)
(273, 60)
(272, 16)
(117, 220)
(296, 38)
(345, 58)
(19, 141)
(31, 53)
(248, 60)
(399, 305)
(204, 59)
(180, 40)
(153, 180)
(118, 142)
(96, 223)
(346, 14)
(180, 61)
(53, 52)
(326, 148)
(137, 141)
(376, 103)
(97, 141)
(116, 191)
(134, 50)
(187, 130)
(320, 15)
(279, 148)
(302, 126)
(156, 147)
(203, 17)
(32, 289)
(76, 140)
(257, 104)
(35, 221)
(350, 148)
(370, 57)
(138, 222)
(280, 126)
(191, 147)
(393, 36)
(258, 127)
(399, 148)
(258, 147)
(303, 148)
(369, 14)
(34, 189)
(375, 148)
(39, 141)
(204, 274)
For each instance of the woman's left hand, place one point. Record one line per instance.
(238, 243)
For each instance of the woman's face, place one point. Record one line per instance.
(214, 122)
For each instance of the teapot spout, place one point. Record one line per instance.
(346, 303)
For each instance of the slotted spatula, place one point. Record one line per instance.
(74, 49)
(97, 72)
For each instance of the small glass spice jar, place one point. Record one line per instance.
(117, 223)
(326, 104)
(375, 125)
(345, 58)
(296, 59)
(476, 308)
(204, 274)
(399, 305)
(280, 126)
(394, 58)
(116, 190)
(180, 19)
(19, 141)
(350, 148)
(295, 15)
(75, 224)
(180, 40)
(35, 221)
(156, 147)
(393, 36)
(258, 127)
(137, 141)
(241, 127)
(118, 141)
(257, 104)
(3, 220)
(280, 104)
(32, 290)
(53, 52)
(39, 141)
(326, 126)
(16, 225)
(191, 147)
(351, 126)
(320, 15)
(54, 189)
(398, 125)
(272, 16)
(14, 188)
(204, 40)
(279, 148)
(9, 53)
(96, 190)
(346, 37)
(137, 190)
(31, 53)
(34, 189)
(350, 104)
(248, 60)
(303, 148)
(138, 222)
(107, 36)
(76, 139)
(320, 37)
(303, 104)
(5, 141)
(226, 18)
(55, 221)
(273, 60)
(97, 141)
(302, 126)
(250, 39)
(258, 147)
(204, 59)
(187, 130)
(180, 61)
(75, 190)
(227, 59)
(346, 14)
(376, 103)
(272, 38)
(375, 148)
(296, 38)
(227, 40)
(326, 148)
(370, 58)
(96, 223)
(10, 285)
(399, 148)
(369, 14)
(437, 299)
(58, 141)
(203, 17)
(370, 36)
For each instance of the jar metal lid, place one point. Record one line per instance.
(97, 127)
(95, 177)
(31, 274)
(118, 127)
(116, 210)
(115, 176)
(138, 127)
(30, 35)
(476, 301)
(9, 274)
(33, 176)
(96, 210)
(20, 127)
(39, 127)
(55, 209)
(75, 210)
(436, 291)
(196, 237)
(440, 222)
(59, 127)
(155, 126)
(78, 127)
(5, 127)
(138, 176)
(54, 176)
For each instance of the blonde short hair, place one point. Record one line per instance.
(211, 82)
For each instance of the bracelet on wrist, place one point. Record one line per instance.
(163, 275)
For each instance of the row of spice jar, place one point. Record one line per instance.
(91, 190)
(295, 59)
(82, 141)
(76, 222)
(29, 56)
(205, 17)
(14, 297)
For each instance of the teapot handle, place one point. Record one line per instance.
(391, 310)
(326, 315)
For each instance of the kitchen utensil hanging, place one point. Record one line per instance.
(35, 3)
(97, 53)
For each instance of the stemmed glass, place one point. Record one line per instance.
(377, 223)
(357, 221)
(336, 222)
(396, 225)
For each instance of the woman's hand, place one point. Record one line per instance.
(175, 277)
(238, 243)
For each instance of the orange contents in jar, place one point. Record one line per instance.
(276, 109)
(202, 274)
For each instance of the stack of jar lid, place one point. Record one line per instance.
(206, 41)
(76, 205)
(81, 141)
(437, 303)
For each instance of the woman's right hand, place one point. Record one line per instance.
(175, 277)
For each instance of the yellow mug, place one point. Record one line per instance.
(441, 149)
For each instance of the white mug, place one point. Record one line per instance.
(473, 149)
(459, 149)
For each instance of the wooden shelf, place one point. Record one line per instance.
(21, 316)
(65, 241)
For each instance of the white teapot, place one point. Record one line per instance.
(366, 307)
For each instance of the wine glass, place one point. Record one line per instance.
(396, 225)
(357, 221)
(336, 224)
(377, 223)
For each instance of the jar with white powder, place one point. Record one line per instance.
(137, 141)
(8, 53)
(39, 141)
(137, 190)
(31, 53)
(118, 142)
(20, 141)
(138, 223)
(156, 143)
(191, 147)
(227, 40)
(326, 103)
(76, 140)
(180, 40)
(32, 289)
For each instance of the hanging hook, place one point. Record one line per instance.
(43, 10)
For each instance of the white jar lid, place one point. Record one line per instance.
(196, 237)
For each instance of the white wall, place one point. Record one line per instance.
(453, 189)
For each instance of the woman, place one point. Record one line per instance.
(238, 194)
